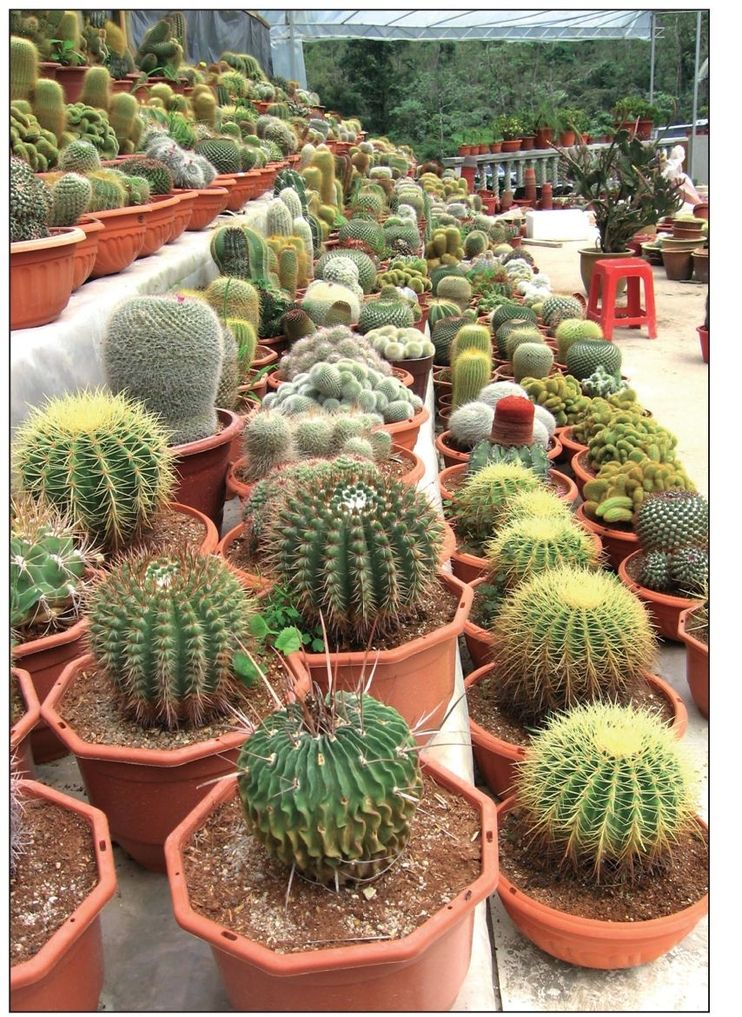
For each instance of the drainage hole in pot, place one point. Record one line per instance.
(513, 890)
(61, 724)
(102, 845)
(71, 920)
(228, 935)
(490, 836)
(467, 895)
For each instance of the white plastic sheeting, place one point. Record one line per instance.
(289, 27)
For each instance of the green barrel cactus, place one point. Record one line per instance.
(361, 749)
(223, 154)
(539, 504)
(532, 360)
(480, 505)
(71, 197)
(585, 356)
(532, 545)
(574, 330)
(569, 636)
(268, 442)
(507, 312)
(607, 789)
(165, 631)
(669, 520)
(557, 307)
(689, 570)
(471, 371)
(79, 157)
(364, 263)
(101, 460)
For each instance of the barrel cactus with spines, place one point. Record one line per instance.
(231, 297)
(583, 358)
(573, 330)
(654, 570)
(190, 615)
(669, 520)
(395, 534)
(539, 504)
(267, 442)
(470, 337)
(471, 371)
(516, 337)
(389, 309)
(455, 288)
(71, 196)
(443, 333)
(532, 456)
(351, 742)
(689, 570)
(24, 67)
(167, 353)
(569, 636)
(363, 262)
(530, 546)
(159, 176)
(505, 312)
(532, 360)
(223, 154)
(79, 157)
(99, 459)
(480, 503)
(558, 307)
(606, 790)
(107, 193)
(371, 234)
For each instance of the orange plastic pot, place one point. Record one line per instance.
(423, 971)
(569, 445)
(405, 432)
(144, 793)
(404, 376)
(696, 664)
(242, 187)
(589, 942)
(72, 80)
(450, 478)
(663, 607)
(453, 457)
(277, 343)
(41, 277)
(20, 742)
(67, 972)
(201, 468)
(250, 580)
(183, 213)
(121, 241)
(479, 642)
(417, 678)
(86, 252)
(207, 204)
(618, 544)
(264, 356)
(582, 470)
(159, 218)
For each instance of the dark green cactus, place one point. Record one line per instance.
(671, 519)
(71, 197)
(222, 153)
(583, 357)
(79, 157)
(30, 203)
(159, 176)
(485, 453)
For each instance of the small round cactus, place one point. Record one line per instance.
(470, 424)
(530, 546)
(361, 748)
(654, 571)
(268, 442)
(480, 504)
(538, 504)
(671, 519)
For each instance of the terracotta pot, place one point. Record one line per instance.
(701, 210)
(644, 130)
(201, 468)
(588, 257)
(417, 678)
(20, 742)
(568, 442)
(696, 663)
(121, 241)
(250, 580)
(543, 137)
(678, 264)
(701, 266)
(207, 205)
(183, 212)
(277, 343)
(41, 277)
(67, 972)
(421, 972)
(419, 370)
(450, 478)
(264, 356)
(582, 470)
(512, 144)
(405, 432)
(567, 138)
(86, 252)
(589, 942)
(159, 220)
(452, 456)
(71, 79)
(402, 375)
(210, 539)
(144, 793)
(664, 608)
(703, 335)
(247, 404)
(242, 187)
(479, 642)
(618, 544)
(48, 69)
(120, 85)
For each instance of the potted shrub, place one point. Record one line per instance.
(160, 723)
(64, 50)
(512, 133)
(626, 190)
(636, 115)
(596, 877)
(311, 961)
(573, 122)
(546, 122)
(602, 127)
(60, 852)
(693, 630)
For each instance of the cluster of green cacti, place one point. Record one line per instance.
(48, 563)
(395, 532)
(188, 169)
(389, 308)
(487, 453)
(401, 236)
(367, 205)
(394, 343)
(364, 263)
(412, 278)
(272, 439)
(30, 203)
(159, 49)
(560, 394)
(557, 307)
(532, 545)
(600, 411)
(630, 436)
(90, 124)
(101, 460)
(167, 353)
(672, 528)
(601, 383)
(567, 636)
(618, 490)
(573, 330)
(29, 141)
(190, 615)
(480, 504)
(346, 384)
(444, 187)
(348, 741)
(370, 234)
(445, 247)
(154, 171)
(329, 303)
(606, 791)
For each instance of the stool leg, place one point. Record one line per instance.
(649, 304)
(608, 316)
(593, 306)
(633, 305)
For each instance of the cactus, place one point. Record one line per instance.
(539, 504)
(79, 157)
(396, 536)
(400, 343)
(476, 243)
(389, 309)
(530, 546)
(629, 436)
(585, 356)
(296, 323)
(320, 297)
(601, 383)
(607, 789)
(278, 219)
(365, 265)
(24, 67)
(288, 270)
(231, 297)
(222, 153)
(370, 234)
(168, 354)
(471, 371)
(455, 288)
(619, 489)
(532, 360)
(573, 330)
(560, 394)
(470, 424)
(532, 456)
(506, 312)
(354, 743)
(190, 615)
(123, 117)
(49, 107)
(654, 570)
(570, 636)
(96, 88)
(99, 459)
(689, 569)
(480, 503)
(268, 442)
(71, 196)
(30, 203)
(155, 172)
(558, 307)
(671, 520)
(107, 192)
(470, 337)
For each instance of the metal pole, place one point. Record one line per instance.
(651, 61)
(692, 159)
(292, 54)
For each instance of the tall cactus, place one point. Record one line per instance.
(24, 67)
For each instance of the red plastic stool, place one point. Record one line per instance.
(606, 276)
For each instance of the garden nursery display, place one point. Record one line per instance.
(345, 556)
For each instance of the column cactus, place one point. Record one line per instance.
(24, 67)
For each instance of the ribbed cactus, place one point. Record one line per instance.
(222, 153)
(689, 570)
(530, 546)
(231, 297)
(476, 243)
(159, 176)
(204, 106)
(389, 309)
(24, 67)
(471, 371)
(369, 233)
(606, 788)
(574, 330)
(349, 742)
(246, 337)
(654, 570)
(49, 106)
(107, 192)
(296, 323)
(516, 336)
(539, 504)
(480, 503)
(268, 442)
(168, 354)
(79, 157)
(532, 360)
(508, 311)
(671, 519)
(532, 456)
(30, 203)
(165, 631)
(455, 288)
(583, 357)
(569, 636)
(395, 535)
(96, 88)
(558, 307)
(470, 337)
(364, 263)
(122, 117)
(71, 196)
(288, 270)
(278, 219)
(242, 252)
(324, 161)
(99, 459)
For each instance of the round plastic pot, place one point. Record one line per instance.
(589, 942)
(86, 252)
(121, 241)
(703, 336)
(450, 478)
(67, 972)
(618, 544)
(696, 663)
(701, 266)
(159, 217)
(568, 442)
(183, 212)
(207, 205)
(71, 79)
(144, 793)
(20, 741)
(664, 608)
(41, 277)
(402, 375)
(242, 188)
(201, 468)
(479, 642)
(405, 432)
(417, 678)
(420, 972)
(582, 470)
(250, 580)
(419, 369)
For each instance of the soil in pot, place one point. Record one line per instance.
(175, 529)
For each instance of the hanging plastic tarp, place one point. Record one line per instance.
(289, 28)
(211, 33)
